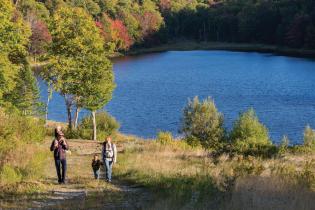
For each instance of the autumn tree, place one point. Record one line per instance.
(40, 38)
(76, 52)
(120, 35)
(114, 33)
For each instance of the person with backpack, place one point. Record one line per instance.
(59, 147)
(109, 155)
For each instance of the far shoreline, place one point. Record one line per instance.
(240, 47)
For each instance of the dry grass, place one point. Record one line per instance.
(182, 177)
(187, 177)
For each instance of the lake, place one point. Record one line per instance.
(152, 90)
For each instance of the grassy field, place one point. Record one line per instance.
(185, 45)
(184, 177)
(158, 175)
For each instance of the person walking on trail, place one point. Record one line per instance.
(109, 155)
(96, 164)
(59, 147)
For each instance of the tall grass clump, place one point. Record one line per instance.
(165, 138)
(309, 137)
(284, 145)
(106, 126)
(20, 156)
(203, 124)
(249, 136)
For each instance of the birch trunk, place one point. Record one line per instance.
(76, 117)
(94, 125)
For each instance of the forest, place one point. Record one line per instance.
(124, 25)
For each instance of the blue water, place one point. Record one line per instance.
(153, 89)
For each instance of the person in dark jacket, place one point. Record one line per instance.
(96, 164)
(59, 147)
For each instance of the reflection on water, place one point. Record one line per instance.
(153, 89)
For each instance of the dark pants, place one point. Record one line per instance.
(96, 173)
(61, 168)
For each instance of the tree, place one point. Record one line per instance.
(18, 85)
(248, 133)
(14, 33)
(114, 33)
(8, 73)
(74, 36)
(32, 9)
(120, 35)
(89, 5)
(297, 31)
(79, 68)
(203, 123)
(25, 96)
(97, 86)
(40, 38)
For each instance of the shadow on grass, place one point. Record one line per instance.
(178, 192)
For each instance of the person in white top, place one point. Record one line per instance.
(109, 156)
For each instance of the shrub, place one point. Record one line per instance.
(165, 138)
(106, 126)
(9, 175)
(283, 147)
(19, 147)
(249, 135)
(309, 137)
(202, 122)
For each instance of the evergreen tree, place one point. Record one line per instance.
(25, 96)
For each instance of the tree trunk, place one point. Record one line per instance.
(94, 125)
(69, 107)
(49, 95)
(76, 117)
(46, 111)
(204, 32)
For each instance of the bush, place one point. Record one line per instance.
(309, 137)
(106, 126)
(283, 147)
(20, 158)
(165, 138)
(9, 175)
(202, 122)
(249, 135)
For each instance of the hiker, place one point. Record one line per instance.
(109, 155)
(96, 164)
(59, 147)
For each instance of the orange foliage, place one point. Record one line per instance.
(115, 31)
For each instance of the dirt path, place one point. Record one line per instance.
(82, 191)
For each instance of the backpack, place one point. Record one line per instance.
(109, 152)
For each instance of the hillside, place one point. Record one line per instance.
(155, 175)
